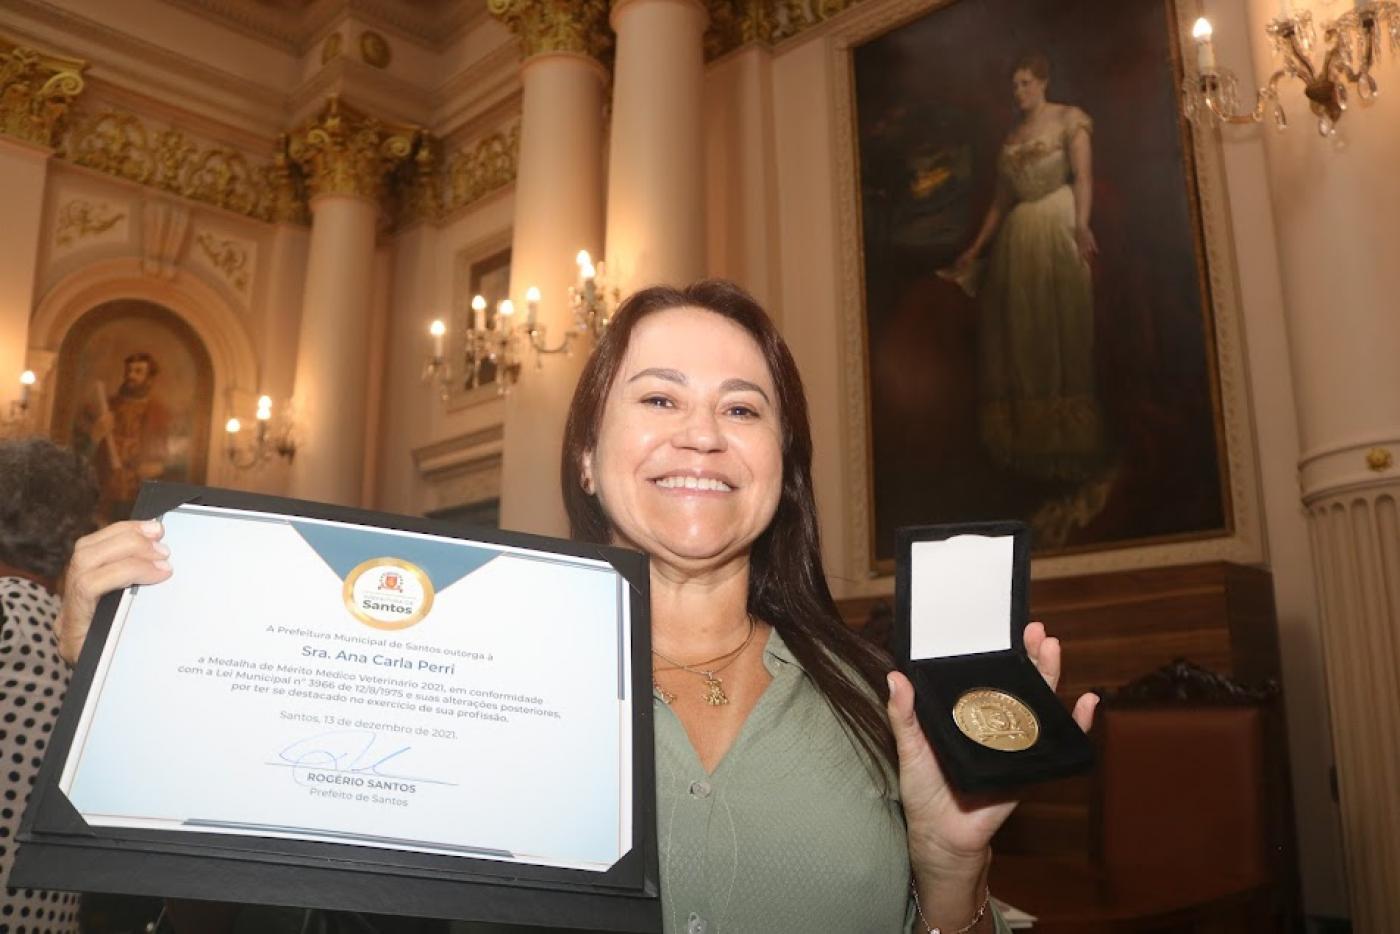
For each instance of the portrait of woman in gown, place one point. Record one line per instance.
(1029, 267)
(1037, 308)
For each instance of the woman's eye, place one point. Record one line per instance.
(743, 411)
(660, 402)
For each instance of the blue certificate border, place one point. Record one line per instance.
(58, 850)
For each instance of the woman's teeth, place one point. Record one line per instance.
(693, 483)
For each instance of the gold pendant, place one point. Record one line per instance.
(666, 696)
(714, 691)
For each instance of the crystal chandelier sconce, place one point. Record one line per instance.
(1350, 47)
(266, 442)
(499, 346)
(14, 421)
(591, 300)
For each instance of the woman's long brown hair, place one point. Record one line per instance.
(787, 587)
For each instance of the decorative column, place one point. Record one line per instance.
(558, 211)
(345, 155)
(1336, 211)
(656, 198)
(36, 90)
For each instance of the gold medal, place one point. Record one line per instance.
(996, 720)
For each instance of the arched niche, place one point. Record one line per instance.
(140, 365)
(231, 358)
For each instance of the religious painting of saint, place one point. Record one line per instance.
(134, 392)
(1038, 321)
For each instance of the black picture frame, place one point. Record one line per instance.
(59, 850)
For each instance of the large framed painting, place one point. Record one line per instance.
(1038, 330)
(134, 391)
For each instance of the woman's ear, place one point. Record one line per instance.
(586, 473)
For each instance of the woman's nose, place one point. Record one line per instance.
(700, 432)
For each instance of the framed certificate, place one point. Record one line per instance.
(325, 707)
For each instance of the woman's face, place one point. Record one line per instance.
(688, 466)
(1028, 90)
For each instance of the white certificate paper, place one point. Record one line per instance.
(315, 680)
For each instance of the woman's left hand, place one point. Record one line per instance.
(949, 831)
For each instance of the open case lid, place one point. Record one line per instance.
(962, 588)
(59, 849)
(961, 607)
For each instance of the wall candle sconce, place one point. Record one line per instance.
(13, 421)
(1350, 47)
(266, 442)
(591, 300)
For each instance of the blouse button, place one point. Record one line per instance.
(696, 924)
(699, 789)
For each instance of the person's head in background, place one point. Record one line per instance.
(48, 498)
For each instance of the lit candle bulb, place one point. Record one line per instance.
(532, 307)
(1205, 52)
(504, 309)
(590, 285)
(232, 426)
(437, 329)
(583, 259)
(264, 408)
(479, 312)
(26, 380)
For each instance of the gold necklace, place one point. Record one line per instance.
(714, 688)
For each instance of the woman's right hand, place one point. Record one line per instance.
(118, 556)
(966, 258)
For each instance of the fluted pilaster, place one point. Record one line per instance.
(1352, 495)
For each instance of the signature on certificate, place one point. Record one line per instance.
(354, 753)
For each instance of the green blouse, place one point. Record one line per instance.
(789, 833)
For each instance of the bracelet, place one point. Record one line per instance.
(981, 912)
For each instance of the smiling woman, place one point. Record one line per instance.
(697, 383)
(778, 806)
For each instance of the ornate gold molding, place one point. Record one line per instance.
(579, 26)
(36, 89)
(474, 173)
(79, 219)
(227, 257)
(375, 50)
(735, 23)
(287, 187)
(420, 186)
(345, 151)
(120, 144)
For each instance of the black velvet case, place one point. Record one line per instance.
(1061, 748)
